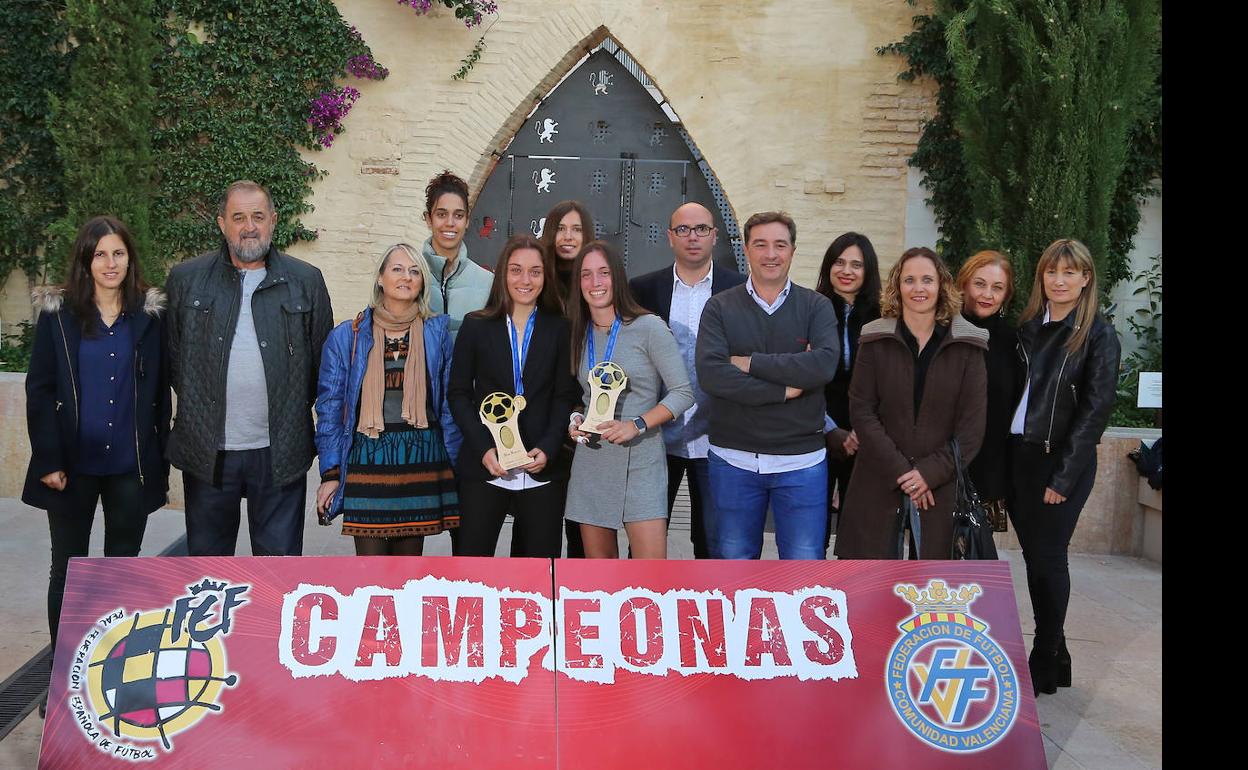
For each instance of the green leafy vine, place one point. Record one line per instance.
(1037, 132)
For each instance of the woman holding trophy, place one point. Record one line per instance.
(624, 358)
(510, 391)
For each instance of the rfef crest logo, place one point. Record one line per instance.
(948, 680)
(137, 680)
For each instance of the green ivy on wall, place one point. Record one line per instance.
(33, 65)
(1048, 124)
(241, 86)
(102, 126)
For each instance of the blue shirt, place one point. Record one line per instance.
(106, 428)
(685, 436)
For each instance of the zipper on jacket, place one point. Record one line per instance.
(138, 455)
(1053, 411)
(73, 385)
(232, 323)
(445, 285)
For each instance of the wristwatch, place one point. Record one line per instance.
(641, 425)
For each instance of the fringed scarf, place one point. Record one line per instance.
(373, 393)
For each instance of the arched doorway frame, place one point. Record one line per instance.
(602, 39)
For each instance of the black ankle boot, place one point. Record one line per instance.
(1043, 665)
(1061, 672)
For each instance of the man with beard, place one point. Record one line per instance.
(246, 325)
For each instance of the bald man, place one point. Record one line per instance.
(678, 294)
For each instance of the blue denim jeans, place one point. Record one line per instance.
(739, 500)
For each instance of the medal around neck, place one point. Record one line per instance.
(606, 382)
(499, 412)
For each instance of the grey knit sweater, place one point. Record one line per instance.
(749, 411)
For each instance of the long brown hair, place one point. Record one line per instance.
(621, 296)
(79, 284)
(983, 259)
(948, 300)
(500, 304)
(1074, 253)
(550, 229)
(556, 215)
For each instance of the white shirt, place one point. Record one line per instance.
(1019, 424)
(516, 480)
(755, 462)
(684, 319)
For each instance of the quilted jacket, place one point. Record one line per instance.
(293, 318)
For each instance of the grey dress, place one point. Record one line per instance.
(611, 483)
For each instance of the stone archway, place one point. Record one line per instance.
(606, 136)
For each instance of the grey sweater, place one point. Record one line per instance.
(749, 411)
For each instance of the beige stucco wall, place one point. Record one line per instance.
(788, 101)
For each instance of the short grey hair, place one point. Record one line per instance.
(243, 185)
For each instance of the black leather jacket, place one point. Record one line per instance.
(1072, 394)
(292, 315)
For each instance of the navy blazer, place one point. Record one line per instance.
(481, 364)
(653, 291)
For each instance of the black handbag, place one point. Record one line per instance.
(972, 535)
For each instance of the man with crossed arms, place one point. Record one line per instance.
(765, 351)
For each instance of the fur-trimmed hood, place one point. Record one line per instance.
(960, 330)
(50, 299)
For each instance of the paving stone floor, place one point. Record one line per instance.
(1110, 718)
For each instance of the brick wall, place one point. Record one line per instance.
(788, 101)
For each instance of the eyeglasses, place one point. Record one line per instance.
(841, 263)
(684, 230)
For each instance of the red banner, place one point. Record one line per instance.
(366, 662)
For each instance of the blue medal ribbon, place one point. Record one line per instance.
(520, 351)
(589, 342)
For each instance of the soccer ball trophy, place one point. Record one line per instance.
(499, 412)
(606, 382)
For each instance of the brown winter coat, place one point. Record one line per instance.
(881, 407)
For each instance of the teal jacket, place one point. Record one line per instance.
(463, 291)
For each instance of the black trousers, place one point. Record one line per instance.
(537, 524)
(274, 514)
(839, 472)
(1044, 532)
(70, 527)
(699, 494)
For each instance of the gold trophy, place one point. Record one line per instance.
(606, 382)
(499, 412)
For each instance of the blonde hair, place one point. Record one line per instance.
(1074, 253)
(948, 299)
(426, 278)
(983, 259)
